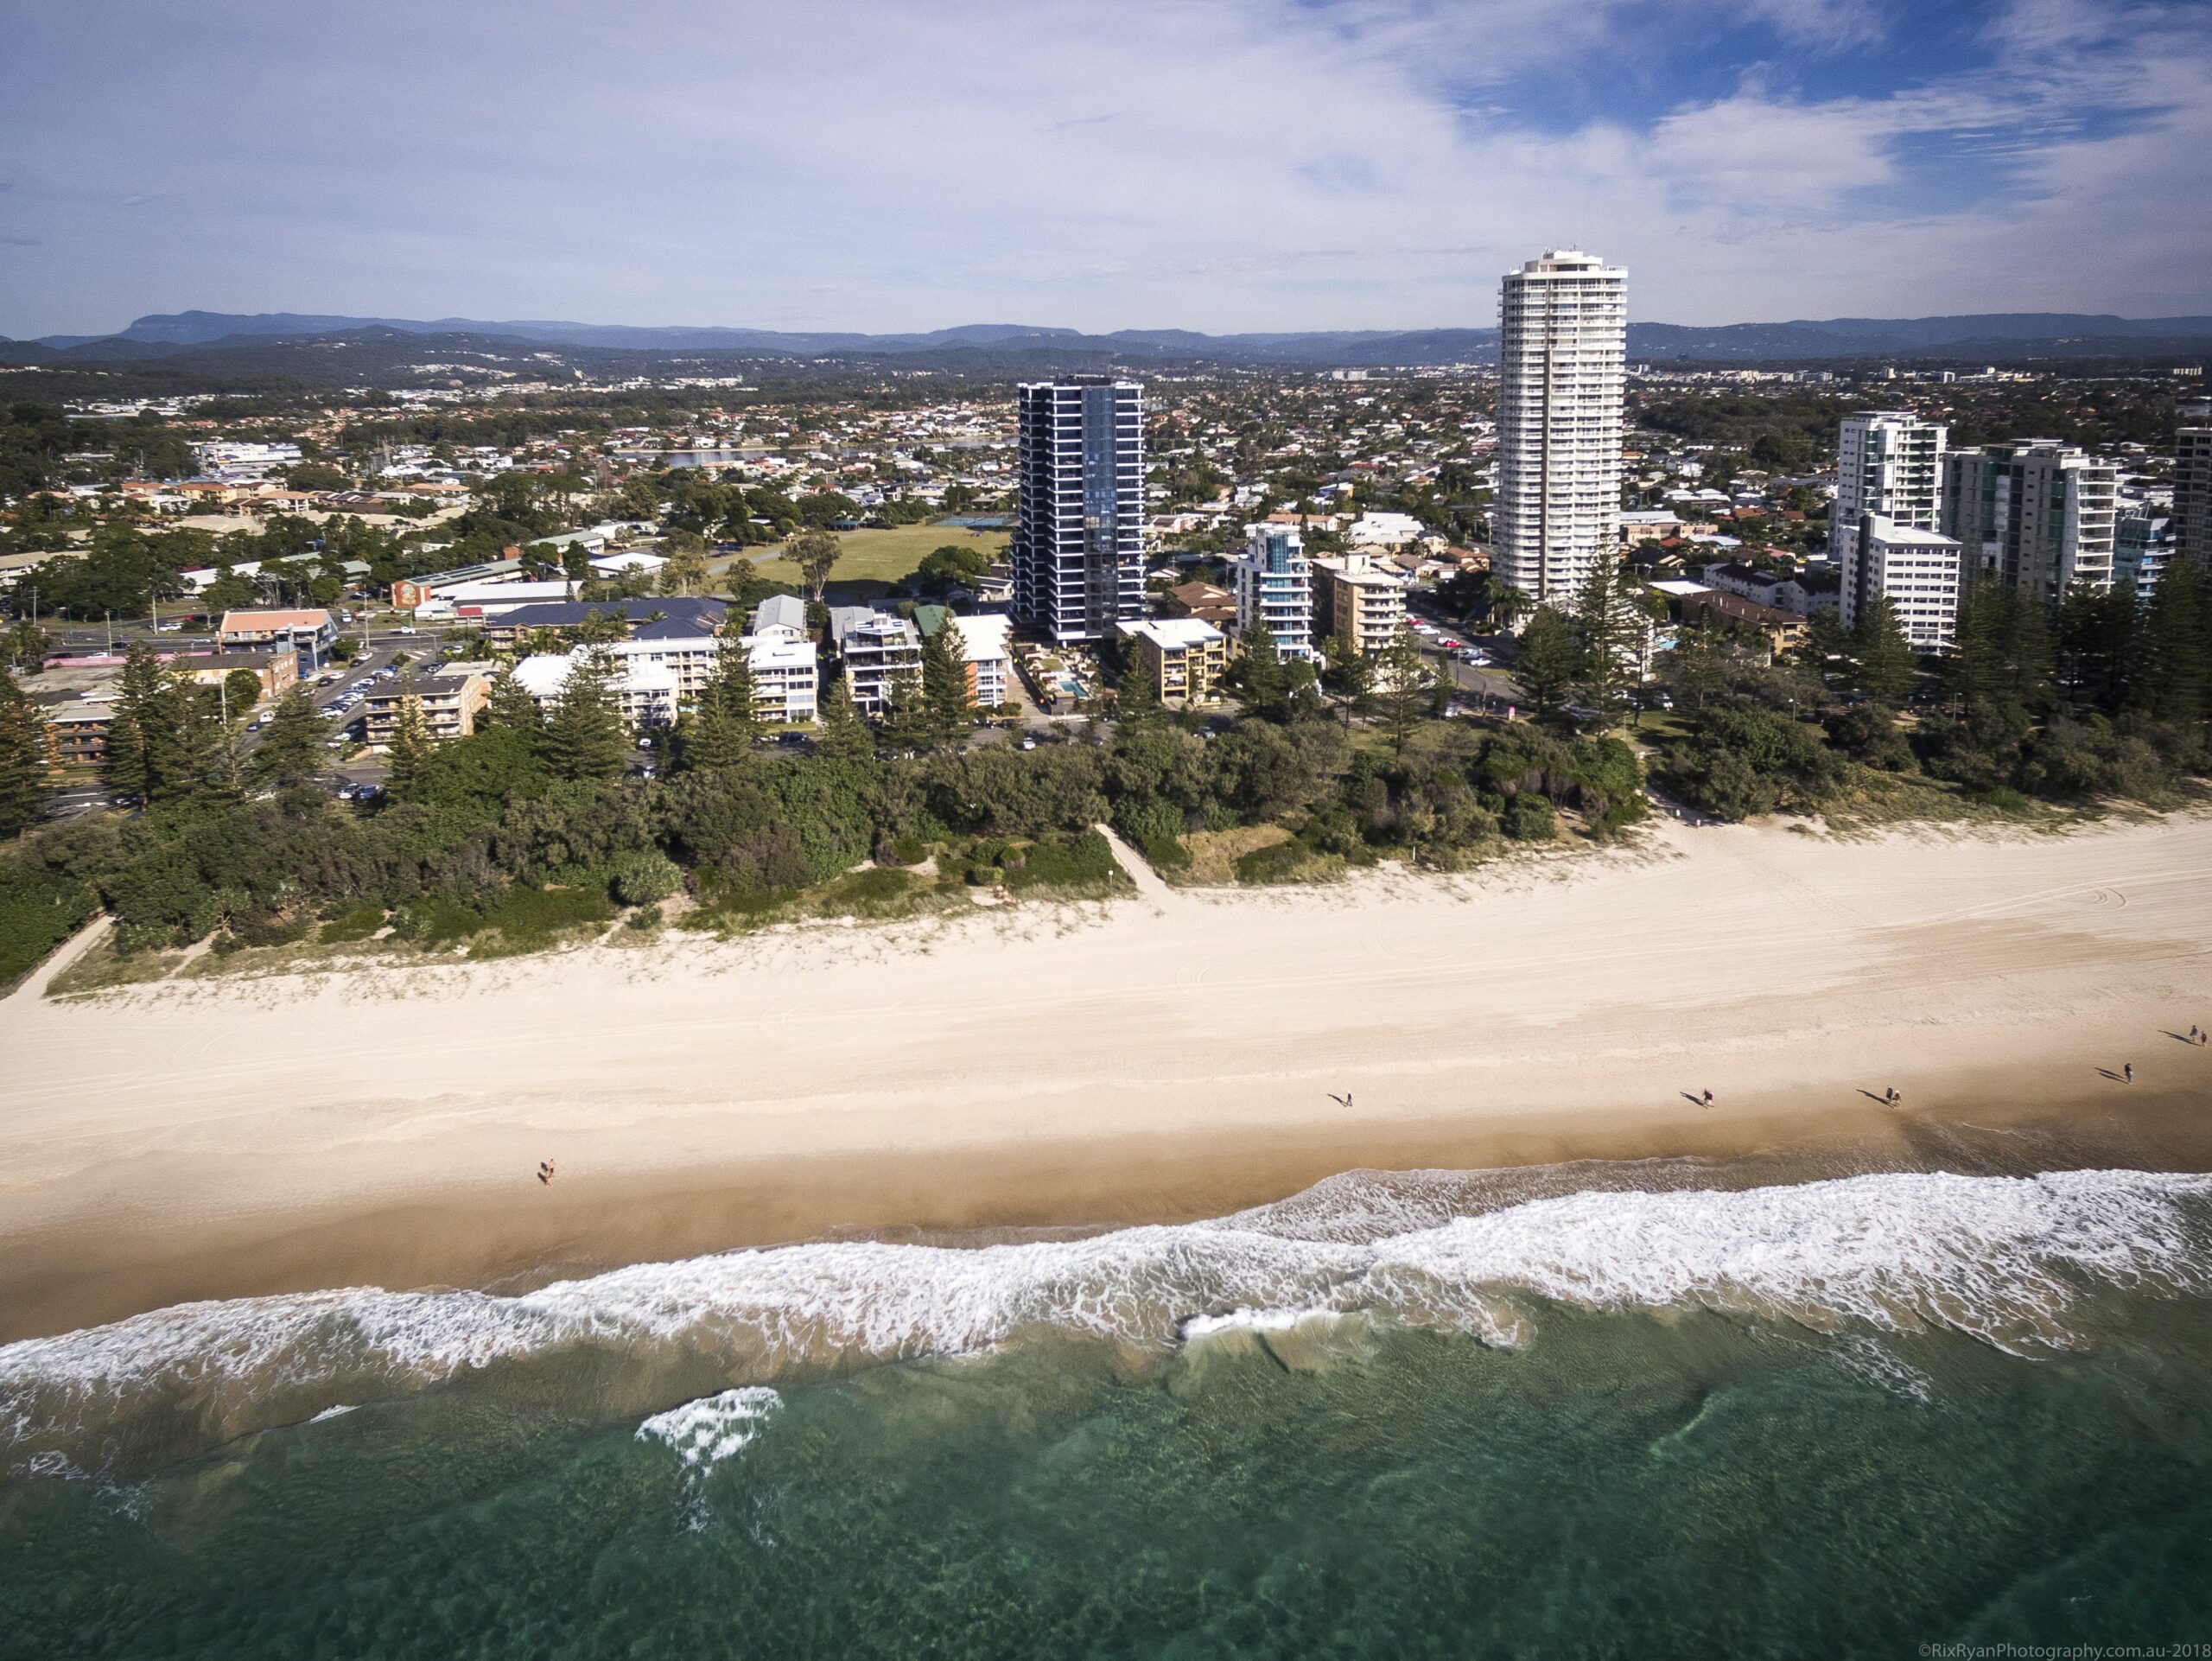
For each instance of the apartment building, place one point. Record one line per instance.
(786, 678)
(1274, 584)
(451, 696)
(1359, 601)
(1919, 572)
(2144, 540)
(2193, 485)
(1563, 342)
(645, 693)
(1890, 462)
(639, 619)
(1181, 657)
(2037, 514)
(986, 649)
(1078, 547)
(876, 648)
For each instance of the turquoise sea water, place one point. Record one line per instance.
(1654, 1410)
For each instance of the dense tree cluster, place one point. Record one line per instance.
(2107, 697)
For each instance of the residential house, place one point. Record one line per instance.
(674, 619)
(1206, 601)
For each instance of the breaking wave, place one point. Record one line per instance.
(2002, 1258)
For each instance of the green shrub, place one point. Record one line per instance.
(1529, 817)
(357, 925)
(38, 909)
(873, 892)
(906, 851)
(1288, 862)
(644, 877)
(646, 918)
(1081, 865)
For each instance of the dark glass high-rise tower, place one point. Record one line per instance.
(1078, 541)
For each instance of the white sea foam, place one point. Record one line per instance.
(2003, 1258)
(707, 1431)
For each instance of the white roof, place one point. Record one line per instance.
(1174, 634)
(1679, 587)
(1906, 536)
(984, 639)
(777, 652)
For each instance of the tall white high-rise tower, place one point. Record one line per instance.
(1562, 347)
(1889, 462)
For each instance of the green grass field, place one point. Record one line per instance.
(879, 557)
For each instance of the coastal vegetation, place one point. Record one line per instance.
(2103, 700)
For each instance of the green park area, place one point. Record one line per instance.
(879, 557)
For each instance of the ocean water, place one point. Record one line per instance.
(1650, 1409)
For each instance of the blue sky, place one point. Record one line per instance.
(1215, 164)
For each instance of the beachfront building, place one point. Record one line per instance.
(643, 692)
(1273, 582)
(451, 697)
(877, 649)
(1919, 572)
(1181, 657)
(1888, 462)
(2193, 485)
(786, 678)
(986, 650)
(1078, 539)
(1359, 600)
(2143, 542)
(2035, 514)
(1562, 345)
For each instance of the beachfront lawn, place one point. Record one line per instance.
(873, 557)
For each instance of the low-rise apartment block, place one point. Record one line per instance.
(1358, 601)
(1181, 657)
(877, 649)
(451, 697)
(645, 693)
(786, 678)
(1917, 571)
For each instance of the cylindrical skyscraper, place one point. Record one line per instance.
(1563, 348)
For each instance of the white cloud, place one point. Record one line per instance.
(1230, 164)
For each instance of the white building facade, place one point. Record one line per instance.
(1273, 581)
(1890, 462)
(1918, 572)
(2037, 514)
(1563, 344)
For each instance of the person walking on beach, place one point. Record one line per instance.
(1892, 1096)
(1708, 1098)
(2127, 1071)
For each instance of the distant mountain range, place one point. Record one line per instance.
(323, 347)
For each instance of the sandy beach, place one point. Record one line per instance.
(1170, 1056)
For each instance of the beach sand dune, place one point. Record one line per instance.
(1172, 1055)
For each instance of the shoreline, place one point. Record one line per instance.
(208, 1140)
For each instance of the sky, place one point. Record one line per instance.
(1222, 165)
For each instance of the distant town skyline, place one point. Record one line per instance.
(1263, 164)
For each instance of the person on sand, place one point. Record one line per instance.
(2127, 1071)
(1708, 1098)
(1892, 1096)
